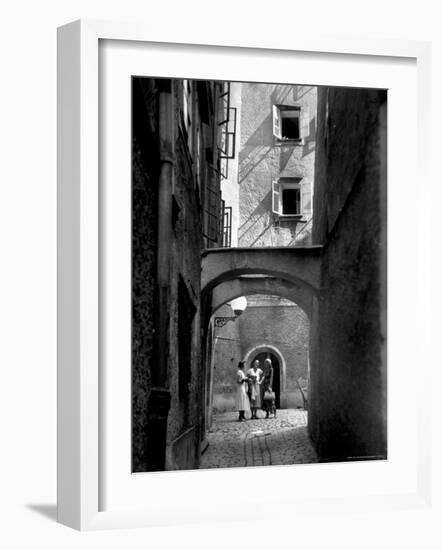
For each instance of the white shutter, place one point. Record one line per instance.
(306, 200)
(299, 203)
(185, 102)
(305, 123)
(276, 122)
(276, 203)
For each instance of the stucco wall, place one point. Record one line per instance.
(262, 158)
(348, 371)
(227, 353)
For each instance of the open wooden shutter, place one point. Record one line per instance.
(276, 122)
(306, 200)
(305, 123)
(276, 203)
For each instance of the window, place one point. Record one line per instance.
(286, 197)
(187, 111)
(186, 312)
(290, 123)
(198, 156)
(291, 202)
(226, 218)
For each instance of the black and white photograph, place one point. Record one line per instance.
(259, 265)
(221, 267)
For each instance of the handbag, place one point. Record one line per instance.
(269, 395)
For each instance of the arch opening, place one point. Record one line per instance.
(272, 326)
(276, 375)
(300, 265)
(231, 274)
(232, 289)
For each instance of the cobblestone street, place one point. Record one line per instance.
(262, 442)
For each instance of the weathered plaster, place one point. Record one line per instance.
(348, 370)
(262, 159)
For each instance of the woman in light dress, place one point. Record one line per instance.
(242, 404)
(254, 374)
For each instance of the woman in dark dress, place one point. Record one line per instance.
(268, 404)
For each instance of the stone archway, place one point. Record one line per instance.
(273, 350)
(292, 273)
(292, 358)
(229, 290)
(300, 265)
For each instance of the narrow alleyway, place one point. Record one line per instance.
(275, 441)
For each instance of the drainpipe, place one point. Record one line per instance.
(159, 399)
(164, 235)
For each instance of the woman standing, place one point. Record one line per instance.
(254, 374)
(241, 399)
(268, 404)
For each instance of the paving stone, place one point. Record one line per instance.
(282, 440)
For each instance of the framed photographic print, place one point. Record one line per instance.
(233, 276)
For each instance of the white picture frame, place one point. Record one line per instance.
(79, 436)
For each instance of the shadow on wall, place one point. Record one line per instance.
(49, 511)
(300, 91)
(249, 161)
(263, 209)
(301, 234)
(285, 153)
(260, 136)
(281, 93)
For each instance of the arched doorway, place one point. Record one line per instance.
(263, 352)
(227, 276)
(271, 326)
(276, 387)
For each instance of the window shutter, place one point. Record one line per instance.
(306, 201)
(185, 100)
(305, 123)
(298, 202)
(276, 122)
(276, 208)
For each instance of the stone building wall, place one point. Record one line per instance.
(145, 170)
(167, 416)
(184, 414)
(348, 405)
